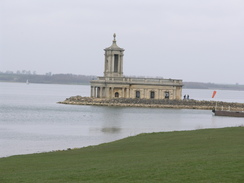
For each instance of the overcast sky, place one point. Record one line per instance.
(193, 40)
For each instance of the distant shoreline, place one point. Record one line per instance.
(72, 79)
(88, 84)
(148, 103)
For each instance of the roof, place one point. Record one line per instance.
(114, 46)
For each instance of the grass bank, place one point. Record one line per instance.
(209, 155)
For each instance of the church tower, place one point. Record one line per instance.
(113, 66)
(114, 85)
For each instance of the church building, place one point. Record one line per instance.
(114, 85)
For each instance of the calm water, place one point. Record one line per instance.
(31, 121)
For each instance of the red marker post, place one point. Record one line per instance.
(214, 93)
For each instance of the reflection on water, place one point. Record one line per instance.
(111, 130)
(31, 120)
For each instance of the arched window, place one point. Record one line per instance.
(116, 94)
(137, 94)
(166, 94)
(152, 94)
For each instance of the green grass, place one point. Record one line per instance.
(210, 155)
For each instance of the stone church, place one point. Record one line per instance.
(114, 85)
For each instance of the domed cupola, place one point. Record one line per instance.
(113, 66)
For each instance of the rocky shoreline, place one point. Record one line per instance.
(153, 103)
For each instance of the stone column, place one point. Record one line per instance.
(121, 64)
(110, 62)
(174, 93)
(109, 92)
(112, 92)
(118, 65)
(112, 59)
(105, 64)
(106, 92)
(91, 91)
(101, 92)
(123, 93)
(95, 91)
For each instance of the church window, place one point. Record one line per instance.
(116, 94)
(152, 94)
(166, 95)
(116, 62)
(137, 94)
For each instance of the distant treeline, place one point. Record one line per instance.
(49, 78)
(198, 85)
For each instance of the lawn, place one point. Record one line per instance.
(209, 155)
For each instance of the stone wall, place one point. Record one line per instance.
(177, 104)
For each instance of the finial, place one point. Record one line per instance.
(114, 37)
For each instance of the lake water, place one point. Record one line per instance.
(31, 121)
